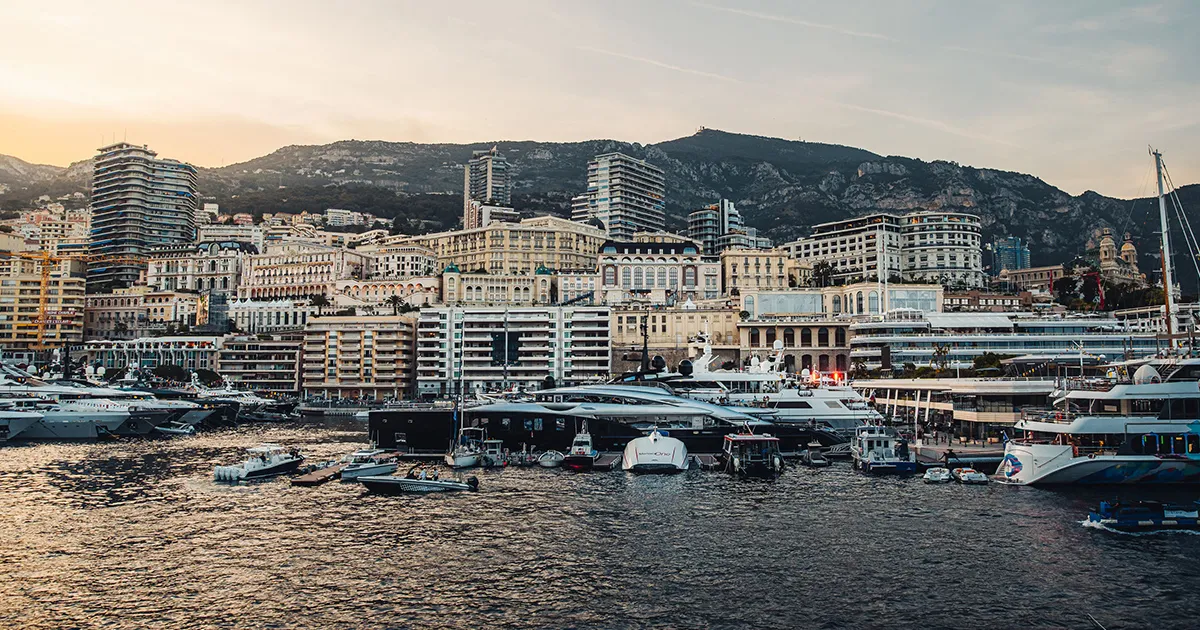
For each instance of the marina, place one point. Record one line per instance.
(138, 519)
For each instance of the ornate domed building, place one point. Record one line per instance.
(1119, 266)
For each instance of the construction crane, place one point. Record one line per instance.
(45, 258)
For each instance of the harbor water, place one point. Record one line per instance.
(135, 534)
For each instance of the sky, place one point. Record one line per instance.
(1072, 92)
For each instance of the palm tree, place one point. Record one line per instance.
(394, 301)
(319, 301)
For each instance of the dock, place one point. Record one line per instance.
(318, 477)
(607, 461)
(984, 458)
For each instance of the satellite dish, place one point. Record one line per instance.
(685, 367)
(778, 345)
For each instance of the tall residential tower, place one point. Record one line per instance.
(627, 194)
(487, 189)
(138, 201)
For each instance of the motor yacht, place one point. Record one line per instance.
(266, 460)
(13, 423)
(1143, 428)
(655, 453)
(374, 461)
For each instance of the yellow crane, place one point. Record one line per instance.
(45, 259)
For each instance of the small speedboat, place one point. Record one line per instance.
(370, 462)
(410, 485)
(267, 460)
(813, 457)
(969, 475)
(550, 459)
(937, 475)
(176, 428)
(1146, 515)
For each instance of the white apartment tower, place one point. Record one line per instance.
(627, 194)
(486, 182)
(138, 201)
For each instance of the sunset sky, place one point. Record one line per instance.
(1069, 91)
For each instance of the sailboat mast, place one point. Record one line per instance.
(1168, 281)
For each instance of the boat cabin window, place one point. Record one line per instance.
(793, 404)
(1145, 407)
(833, 404)
(1172, 444)
(1181, 409)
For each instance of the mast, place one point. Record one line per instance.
(1168, 281)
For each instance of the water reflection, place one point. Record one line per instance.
(133, 534)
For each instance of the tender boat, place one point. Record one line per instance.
(655, 453)
(813, 457)
(582, 455)
(969, 475)
(750, 455)
(937, 475)
(369, 462)
(176, 428)
(879, 451)
(1144, 515)
(267, 460)
(468, 449)
(550, 459)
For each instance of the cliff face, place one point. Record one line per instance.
(782, 187)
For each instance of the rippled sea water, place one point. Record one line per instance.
(134, 534)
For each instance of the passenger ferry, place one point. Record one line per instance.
(1144, 429)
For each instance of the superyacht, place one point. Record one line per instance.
(1143, 428)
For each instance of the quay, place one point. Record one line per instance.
(982, 457)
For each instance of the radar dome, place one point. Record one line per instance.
(685, 367)
(778, 345)
(1146, 374)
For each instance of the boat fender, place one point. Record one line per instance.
(778, 464)
(737, 463)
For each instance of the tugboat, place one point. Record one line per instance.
(582, 455)
(655, 453)
(267, 460)
(750, 455)
(1146, 515)
(880, 451)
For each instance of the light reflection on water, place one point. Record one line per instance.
(133, 534)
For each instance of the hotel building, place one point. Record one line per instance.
(657, 272)
(299, 270)
(516, 248)
(480, 349)
(269, 366)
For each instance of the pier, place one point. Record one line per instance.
(984, 458)
(318, 477)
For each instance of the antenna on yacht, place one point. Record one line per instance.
(1168, 284)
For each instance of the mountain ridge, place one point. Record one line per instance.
(783, 187)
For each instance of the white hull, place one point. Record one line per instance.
(1026, 464)
(16, 423)
(461, 461)
(655, 453)
(354, 471)
(552, 459)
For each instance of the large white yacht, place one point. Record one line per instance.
(1143, 429)
(1120, 429)
(767, 390)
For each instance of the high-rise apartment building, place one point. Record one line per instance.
(627, 194)
(138, 201)
(1011, 253)
(486, 182)
(720, 226)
